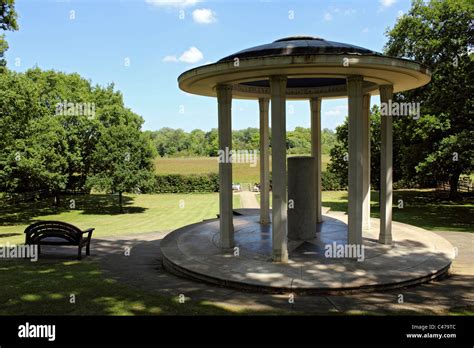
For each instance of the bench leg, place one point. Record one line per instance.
(79, 254)
(88, 249)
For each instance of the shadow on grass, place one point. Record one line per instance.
(45, 288)
(427, 209)
(96, 204)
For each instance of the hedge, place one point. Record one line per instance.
(177, 183)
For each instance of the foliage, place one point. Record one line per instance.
(178, 143)
(176, 183)
(8, 21)
(338, 165)
(438, 34)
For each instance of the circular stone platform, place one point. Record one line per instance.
(416, 256)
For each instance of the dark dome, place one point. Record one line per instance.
(299, 45)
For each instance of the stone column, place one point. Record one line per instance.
(315, 106)
(264, 163)
(279, 182)
(356, 196)
(224, 100)
(385, 237)
(366, 164)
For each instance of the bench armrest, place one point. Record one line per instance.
(89, 231)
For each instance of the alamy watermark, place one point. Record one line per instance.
(75, 109)
(400, 109)
(344, 251)
(238, 156)
(22, 251)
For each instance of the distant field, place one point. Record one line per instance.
(242, 172)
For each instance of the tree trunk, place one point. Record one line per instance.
(56, 199)
(453, 185)
(120, 202)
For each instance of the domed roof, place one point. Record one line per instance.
(299, 45)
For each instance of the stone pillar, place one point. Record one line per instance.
(224, 100)
(385, 237)
(366, 164)
(315, 106)
(356, 196)
(264, 163)
(279, 182)
(301, 198)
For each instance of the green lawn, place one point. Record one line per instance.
(242, 172)
(45, 287)
(142, 213)
(421, 208)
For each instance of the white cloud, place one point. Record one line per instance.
(192, 55)
(173, 3)
(327, 17)
(387, 3)
(400, 14)
(338, 110)
(170, 59)
(365, 30)
(204, 16)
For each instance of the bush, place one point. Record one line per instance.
(330, 182)
(176, 183)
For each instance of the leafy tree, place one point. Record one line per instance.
(437, 146)
(122, 160)
(8, 21)
(33, 141)
(340, 152)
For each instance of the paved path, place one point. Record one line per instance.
(248, 200)
(143, 270)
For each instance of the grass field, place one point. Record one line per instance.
(421, 208)
(142, 213)
(242, 172)
(44, 287)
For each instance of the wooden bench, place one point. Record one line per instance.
(58, 233)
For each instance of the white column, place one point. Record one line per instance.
(315, 106)
(385, 237)
(224, 100)
(366, 164)
(279, 181)
(264, 163)
(356, 197)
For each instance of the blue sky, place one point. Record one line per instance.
(143, 45)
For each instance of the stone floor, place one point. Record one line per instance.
(415, 256)
(143, 271)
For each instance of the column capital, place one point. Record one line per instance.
(223, 88)
(224, 93)
(355, 78)
(386, 92)
(263, 104)
(278, 78)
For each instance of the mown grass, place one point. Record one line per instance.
(241, 172)
(427, 209)
(422, 208)
(142, 213)
(45, 288)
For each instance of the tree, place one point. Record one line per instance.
(340, 151)
(123, 159)
(437, 146)
(8, 18)
(33, 140)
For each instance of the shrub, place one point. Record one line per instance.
(177, 183)
(330, 182)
